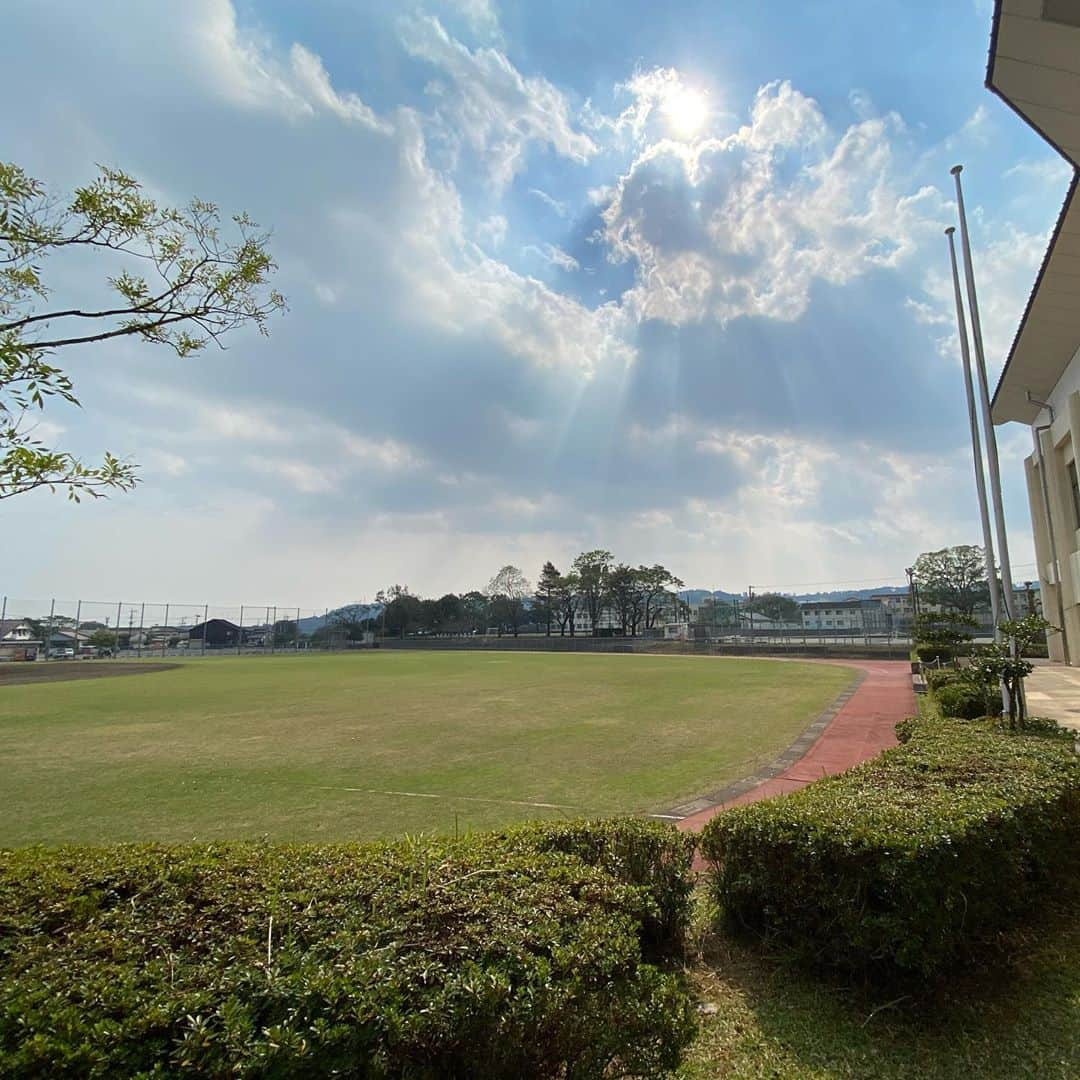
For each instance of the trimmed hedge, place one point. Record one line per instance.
(486, 956)
(909, 862)
(932, 654)
(653, 856)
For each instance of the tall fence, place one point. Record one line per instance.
(59, 628)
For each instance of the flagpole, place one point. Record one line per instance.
(976, 445)
(984, 401)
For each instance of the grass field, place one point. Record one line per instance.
(320, 747)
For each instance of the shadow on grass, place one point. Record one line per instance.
(1019, 1017)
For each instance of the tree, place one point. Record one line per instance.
(401, 610)
(657, 583)
(627, 593)
(178, 282)
(474, 606)
(546, 597)
(953, 578)
(1003, 662)
(566, 603)
(592, 569)
(507, 592)
(102, 639)
(945, 629)
(776, 607)
(285, 632)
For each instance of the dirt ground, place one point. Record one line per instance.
(63, 671)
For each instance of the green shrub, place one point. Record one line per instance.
(909, 862)
(654, 856)
(967, 701)
(421, 959)
(936, 678)
(932, 654)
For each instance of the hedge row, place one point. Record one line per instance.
(909, 862)
(495, 956)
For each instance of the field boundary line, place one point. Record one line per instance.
(453, 798)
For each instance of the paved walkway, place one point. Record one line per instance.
(1053, 691)
(862, 728)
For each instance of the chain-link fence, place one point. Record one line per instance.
(58, 629)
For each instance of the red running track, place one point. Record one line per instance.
(862, 728)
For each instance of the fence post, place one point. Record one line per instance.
(165, 627)
(297, 629)
(48, 636)
(205, 617)
(142, 620)
(78, 619)
(240, 635)
(273, 630)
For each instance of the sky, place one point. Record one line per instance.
(664, 279)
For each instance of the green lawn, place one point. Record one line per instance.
(763, 1019)
(326, 747)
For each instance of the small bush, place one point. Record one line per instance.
(421, 959)
(967, 701)
(936, 678)
(909, 862)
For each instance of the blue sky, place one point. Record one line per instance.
(667, 279)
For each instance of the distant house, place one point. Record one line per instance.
(18, 640)
(216, 632)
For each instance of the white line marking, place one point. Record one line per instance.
(456, 798)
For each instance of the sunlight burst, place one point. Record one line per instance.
(686, 110)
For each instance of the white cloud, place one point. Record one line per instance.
(553, 255)
(744, 225)
(492, 230)
(246, 70)
(1006, 260)
(301, 476)
(551, 203)
(1051, 170)
(164, 461)
(488, 105)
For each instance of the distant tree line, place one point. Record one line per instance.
(595, 594)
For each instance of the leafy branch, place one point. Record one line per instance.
(181, 283)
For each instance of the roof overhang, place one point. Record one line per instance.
(1034, 68)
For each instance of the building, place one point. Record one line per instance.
(1035, 68)
(18, 640)
(217, 633)
(852, 616)
(898, 608)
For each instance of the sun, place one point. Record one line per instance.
(686, 111)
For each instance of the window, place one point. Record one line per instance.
(1074, 483)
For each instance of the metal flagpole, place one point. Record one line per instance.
(976, 443)
(984, 401)
(976, 453)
